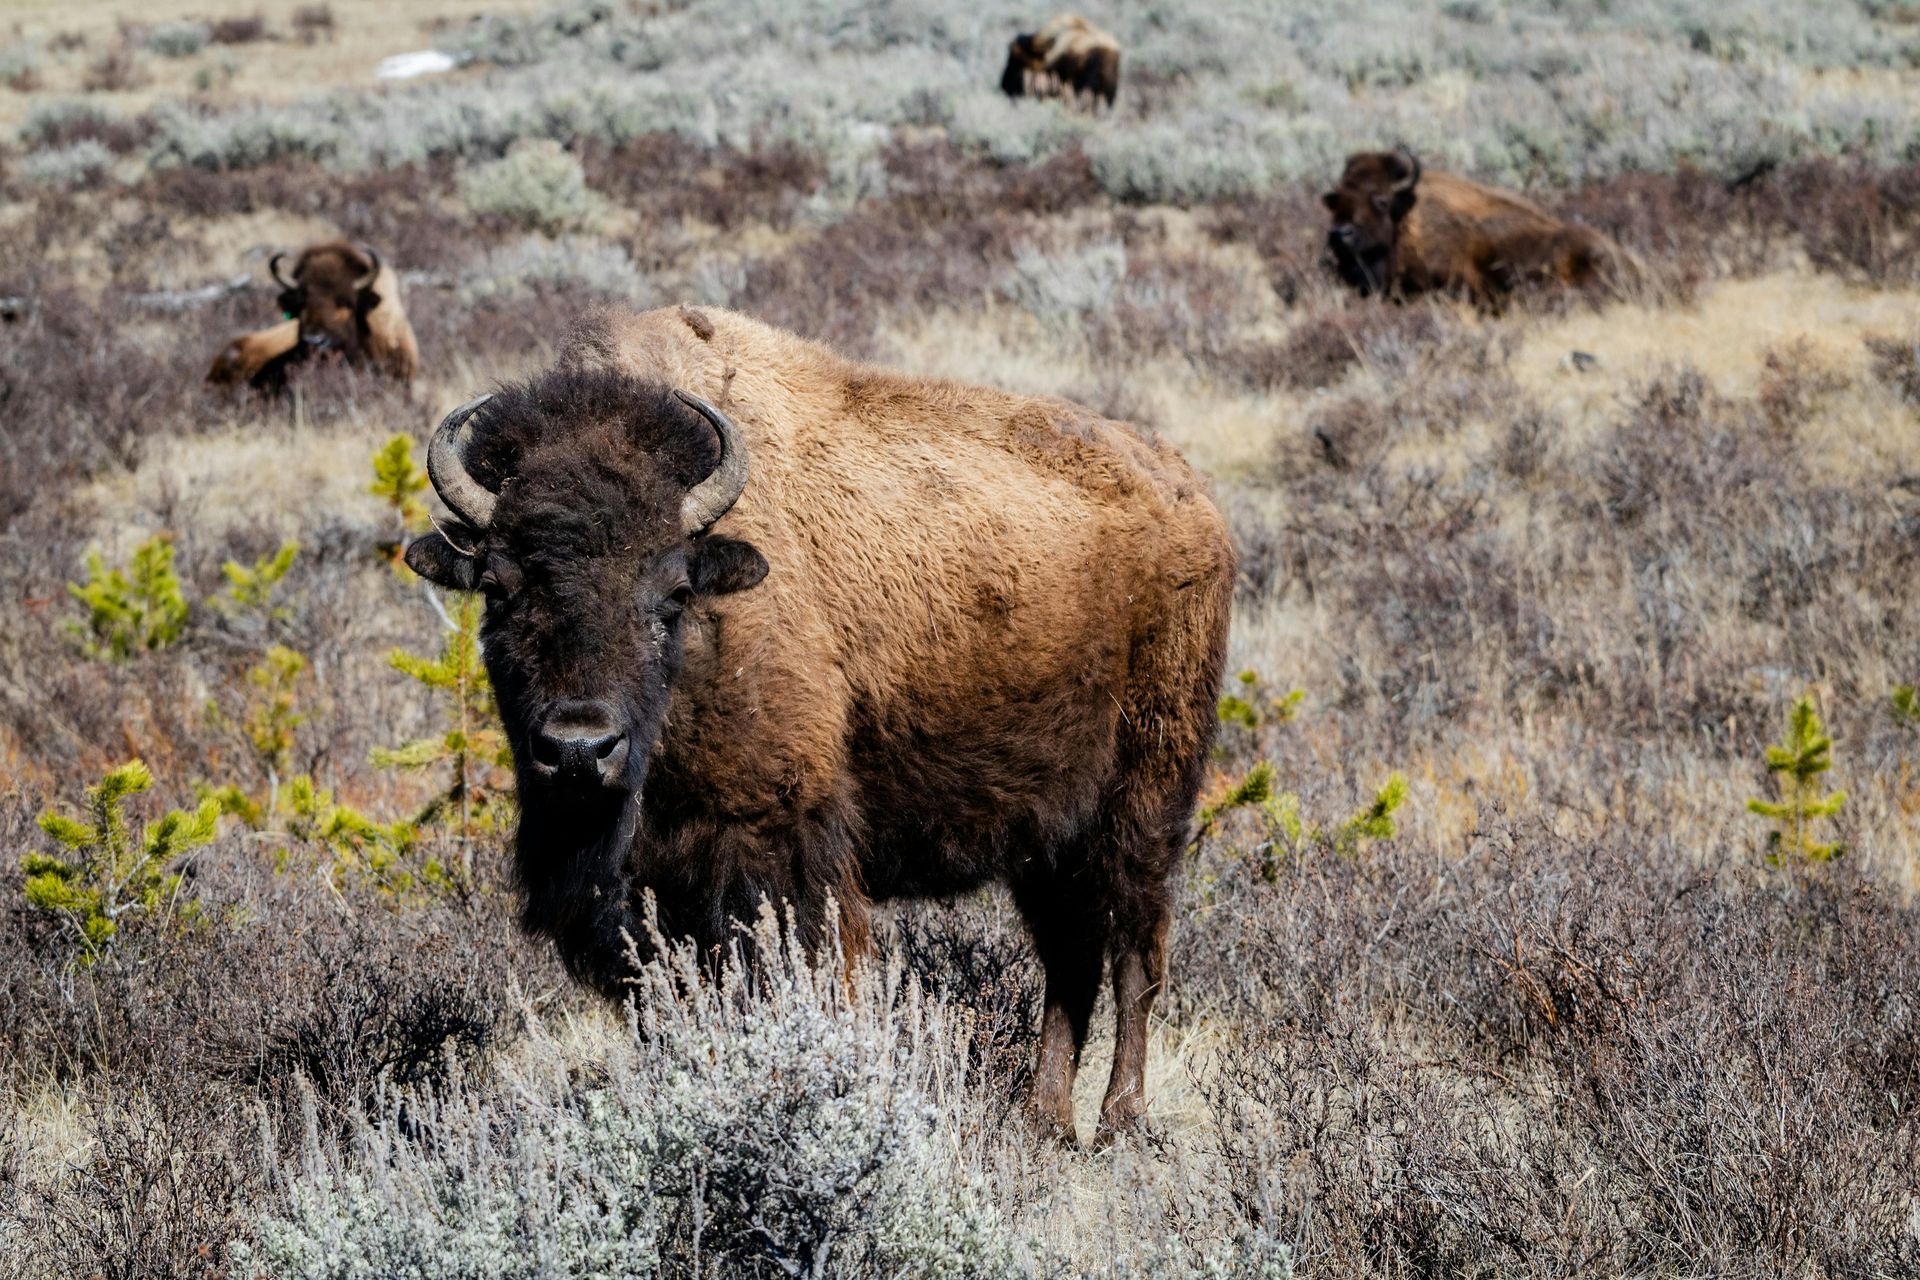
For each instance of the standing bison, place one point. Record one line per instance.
(847, 636)
(341, 301)
(1068, 57)
(1399, 231)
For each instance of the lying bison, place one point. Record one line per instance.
(849, 636)
(1398, 231)
(1068, 57)
(341, 301)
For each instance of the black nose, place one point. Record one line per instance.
(1344, 234)
(580, 742)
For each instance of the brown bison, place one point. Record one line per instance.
(342, 302)
(1398, 231)
(766, 625)
(1068, 57)
(259, 359)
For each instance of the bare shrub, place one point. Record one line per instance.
(313, 22)
(115, 71)
(1896, 362)
(239, 30)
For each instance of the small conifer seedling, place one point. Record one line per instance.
(1906, 705)
(1797, 761)
(250, 590)
(129, 610)
(399, 481)
(108, 876)
(473, 743)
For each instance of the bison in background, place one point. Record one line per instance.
(1068, 57)
(849, 636)
(1399, 231)
(341, 301)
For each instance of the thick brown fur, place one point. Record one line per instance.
(1447, 234)
(259, 359)
(366, 325)
(1069, 57)
(987, 646)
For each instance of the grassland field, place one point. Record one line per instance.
(1569, 1012)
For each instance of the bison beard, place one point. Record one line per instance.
(986, 647)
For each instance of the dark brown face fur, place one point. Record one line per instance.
(328, 301)
(1366, 209)
(588, 580)
(1021, 60)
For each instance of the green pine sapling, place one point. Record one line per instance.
(250, 590)
(1286, 833)
(1797, 761)
(1254, 704)
(136, 608)
(473, 744)
(107, 877)
(399, 481)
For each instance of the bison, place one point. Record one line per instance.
(1399, 231)
(342, 301)
(1067, 57)
(765, 626)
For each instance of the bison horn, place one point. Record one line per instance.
(713, 497)
(447, 465)
(373, 272)
(1411, 163)
(273, 269)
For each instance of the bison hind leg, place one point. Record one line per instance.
(1070, 935)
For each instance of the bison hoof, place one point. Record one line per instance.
(1119, 1123)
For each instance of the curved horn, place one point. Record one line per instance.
(273, 269)
(373, 272)
(447, 465)
(713, 497)
(1412, 163)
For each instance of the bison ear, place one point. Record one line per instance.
(437, 560)
(1332, 200)
(722, 565)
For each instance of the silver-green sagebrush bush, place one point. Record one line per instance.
(778, 1120)
(1528, 92)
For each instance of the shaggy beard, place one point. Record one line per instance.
(573, 857)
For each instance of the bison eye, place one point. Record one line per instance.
(674, 603)
(490, 583)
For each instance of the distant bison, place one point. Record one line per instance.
(1398, 231)
(341, 301)
(260, 359)
(1067, 57)
(348, 301)
(849, 636)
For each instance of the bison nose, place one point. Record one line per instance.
(580, 742)
(1344, 234)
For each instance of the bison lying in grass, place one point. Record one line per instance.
(342, 301)
(1399, 231)
(848, 636)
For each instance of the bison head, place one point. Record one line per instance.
(1374, 195)
(585, 502)
(330, 294)
(1022, 58)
